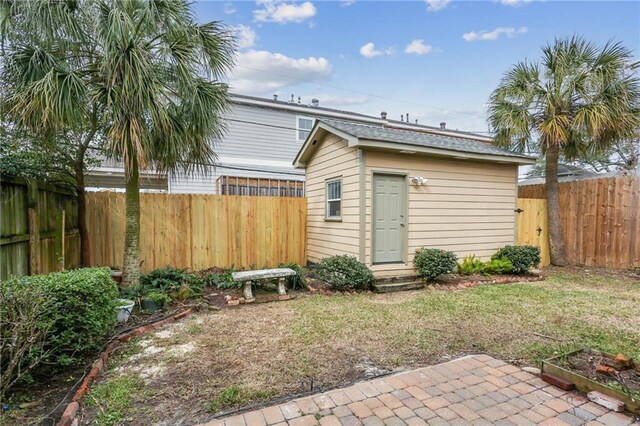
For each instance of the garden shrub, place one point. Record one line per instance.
(497, 266)
(471, 265)
(521, 257)
(173, 282)
(25, 325)
(431, 263)
(344, 272)
(225, 280)
(83, 310)
(297, 280)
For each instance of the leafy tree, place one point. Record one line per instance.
(60, 160)
(577, 100)
(143, 72)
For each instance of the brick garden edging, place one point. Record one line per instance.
(69, 415)
(501, 280)
(444, 286)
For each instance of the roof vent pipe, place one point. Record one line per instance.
(443, 125)
(383, 115)
(416, 121)
(275, 97)
(292, 96)
(299, 99)
(402, 117)
(315, 102)
(407, 117)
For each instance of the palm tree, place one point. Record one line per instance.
(145, 70)
(577, 101)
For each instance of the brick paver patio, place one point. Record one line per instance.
(473, 390)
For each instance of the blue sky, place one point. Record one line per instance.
(436, 60)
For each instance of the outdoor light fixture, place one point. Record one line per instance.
(418, 180)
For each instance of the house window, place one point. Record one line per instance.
(334, 199)
(305, 124)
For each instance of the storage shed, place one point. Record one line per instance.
(380, 192)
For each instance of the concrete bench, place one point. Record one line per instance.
(263, 274)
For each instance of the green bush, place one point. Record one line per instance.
(82, 310)
(470, 265)
(24, 329)
(521, 257)
(172, 281)
(431, 263)
(497, 266)
(297, 280)
(344, 272)
(225, 280)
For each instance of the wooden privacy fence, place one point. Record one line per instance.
(200, 231)
(600, 218)
(35, 216)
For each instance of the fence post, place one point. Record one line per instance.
(60, 235)
(34, 227)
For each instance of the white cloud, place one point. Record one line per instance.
(417, 47)
(261, 72)
(229, 9)
(369, 51)
(245, 36)
(282, 12)
(494, 35)
(515, 3)
(436, 5)
(347, 3)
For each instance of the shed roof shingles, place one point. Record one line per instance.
(419, 138)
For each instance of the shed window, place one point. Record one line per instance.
(305, 124)
(334, 199)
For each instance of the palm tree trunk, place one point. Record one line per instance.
(131, 272)
(556, 236)
(85, 256)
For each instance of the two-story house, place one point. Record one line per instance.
(255, 156)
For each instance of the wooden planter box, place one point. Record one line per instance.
(584, 384)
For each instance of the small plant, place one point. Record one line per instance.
(225, 280)
(431, 263)
(171, 280)
(497, 266)
(470, 265)
(521, 257)
(344, 272)
(297, 280)
(160, 299)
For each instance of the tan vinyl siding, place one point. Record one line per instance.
(465, 206)
(327, 238)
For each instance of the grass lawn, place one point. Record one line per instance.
(216, 361)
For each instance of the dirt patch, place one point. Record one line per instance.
(585, 364)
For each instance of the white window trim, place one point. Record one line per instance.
(298, 129)
(327, 199)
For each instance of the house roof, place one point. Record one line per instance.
(338, 114)
(409, 141)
